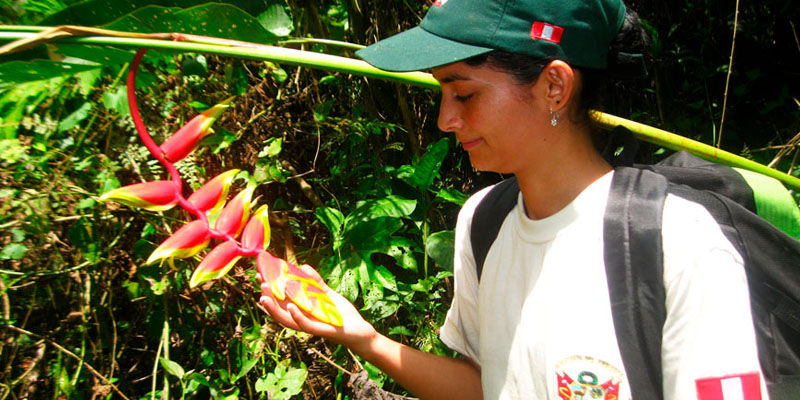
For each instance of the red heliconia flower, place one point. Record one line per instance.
(257, 232)
(152, 196)
(232, 218)
(211, 196)
(217, 263)
(286, 280)
(191, 239)
(188, 137)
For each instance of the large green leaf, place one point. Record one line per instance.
(284, 381)
(421, 175)
(373, 235)
(390, 206)
(16, 72)
(107, 56)
(276, 20)
(333, 220)
(99, 12)
(217, 20)
(440, 247)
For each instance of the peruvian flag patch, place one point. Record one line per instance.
(731, 387)
(548, 32)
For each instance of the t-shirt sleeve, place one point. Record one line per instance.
(708, 337)
(461, 329)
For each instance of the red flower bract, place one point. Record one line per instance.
(152, 196)
(185, 242)
(232, 218)
(211, 196)
(188, 137)
(256, 233)
(217, 263)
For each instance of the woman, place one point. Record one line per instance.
(517, 82)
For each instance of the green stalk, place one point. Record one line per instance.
(357, 67)
(702, 150)
(262, 52)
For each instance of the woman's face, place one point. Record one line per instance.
(500, 123)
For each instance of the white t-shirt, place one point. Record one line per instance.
(539, 323)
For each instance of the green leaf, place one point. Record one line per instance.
(85, 203)
(423, 172)
(105, 56)
(213, 19)
(18, 235)
(16, 72)
(390, 206)
(451, 195)
(403, 256)
(401, 330)
(172, 368)
(440, 247)
(117, 100)
(322, 110)
(195, 65)
(384, 277)
(276, 20)
(220, 140)
(13, 251)
(99, 12)
(333, 220)
(199, 106)
(372, 235)
(348, 285)
(283, 382)
(428, 166)
(75, 118)
(248, 365)
(272, 147)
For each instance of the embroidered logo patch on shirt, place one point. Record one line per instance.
(551, 33)
(582, 377)
(731, 387)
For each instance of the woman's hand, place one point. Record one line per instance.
(355, 332)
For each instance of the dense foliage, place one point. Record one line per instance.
(360, 182)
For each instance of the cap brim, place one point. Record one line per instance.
(417, 49)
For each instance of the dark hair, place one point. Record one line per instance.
(628, 54)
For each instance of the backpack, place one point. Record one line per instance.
(633, 222)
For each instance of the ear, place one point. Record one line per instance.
(559, 84)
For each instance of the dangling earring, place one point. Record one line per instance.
(553, 118)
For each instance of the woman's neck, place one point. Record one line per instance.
(562, 172)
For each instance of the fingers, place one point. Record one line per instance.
(308, 323)
(278, 313)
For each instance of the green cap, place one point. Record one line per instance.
(576, 31)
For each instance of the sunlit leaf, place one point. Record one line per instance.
(428, 166)
(72, 120)
(374, 234)
(172, 367)
(213, 19)
(389, 206)
(276, 20)
(99, 12)
(440, 247)
(15, 72)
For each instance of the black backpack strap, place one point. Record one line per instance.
(634, 267)
(488, 218)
